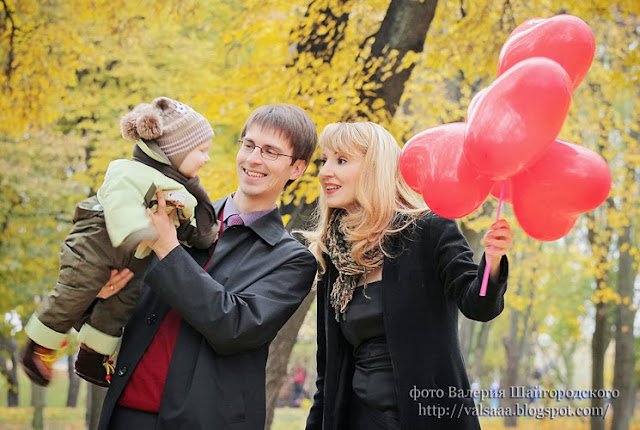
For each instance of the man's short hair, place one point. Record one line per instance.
(291, 122)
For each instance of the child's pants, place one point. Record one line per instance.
(86, 260)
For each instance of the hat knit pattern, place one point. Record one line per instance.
(177, 128)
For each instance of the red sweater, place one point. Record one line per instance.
(144, 390)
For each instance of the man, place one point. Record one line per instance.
(194, 354)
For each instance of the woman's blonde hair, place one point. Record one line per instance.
(381, 192)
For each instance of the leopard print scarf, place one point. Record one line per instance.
(348, 270)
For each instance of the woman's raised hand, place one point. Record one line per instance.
(117, 281)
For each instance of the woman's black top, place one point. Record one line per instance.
(363, 327)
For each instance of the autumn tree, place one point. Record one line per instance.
(610, 95)
(36, 192)
(70, 69)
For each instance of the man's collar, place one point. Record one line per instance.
(269, 227)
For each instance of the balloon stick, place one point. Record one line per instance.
(487, 267)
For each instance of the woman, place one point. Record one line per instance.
(392, 278)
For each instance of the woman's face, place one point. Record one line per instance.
(338, 177)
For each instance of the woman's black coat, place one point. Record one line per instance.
(431, 276)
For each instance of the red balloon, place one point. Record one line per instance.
(474, 102)
(549, 225)
(566, 181)
(526, 25)
(412, 158)
(520, 114)
(565, 39)
(432, 163)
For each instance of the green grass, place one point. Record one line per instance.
(285, 419)
(58, 417)
(56, 392)
(73, 418)
(291, 418)
(54, 418)
(294, 419)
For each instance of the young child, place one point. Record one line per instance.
(172, 143)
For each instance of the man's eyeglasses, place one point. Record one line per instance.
(267, 153)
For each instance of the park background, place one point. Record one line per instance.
(69, 69)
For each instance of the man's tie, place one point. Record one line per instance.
(234, 219)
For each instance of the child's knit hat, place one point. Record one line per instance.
(176, 127)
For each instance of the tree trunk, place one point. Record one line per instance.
(95, 397)
(403, 29)
(9, 345)
(515, 346)
(38, 401)
(602, 330)
(320, 37)
(511, 371)
(279, 354)
(476, 369)
(466, 329)
(12, 382)
(624, 361)
(563, 368)
(74, 383)
(599, 345)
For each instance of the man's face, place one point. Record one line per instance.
(260, 181)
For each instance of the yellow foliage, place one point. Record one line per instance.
(79, 66)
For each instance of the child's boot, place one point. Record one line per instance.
(93, 366)
(37, 362)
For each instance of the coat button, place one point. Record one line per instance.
(152, 319)
(122, 371)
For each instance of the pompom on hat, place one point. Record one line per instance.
(177, 128)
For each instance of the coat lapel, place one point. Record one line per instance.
(236, 243)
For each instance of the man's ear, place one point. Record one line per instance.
(298, 169)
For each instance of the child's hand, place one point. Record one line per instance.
(116, 282)
(166, 231)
